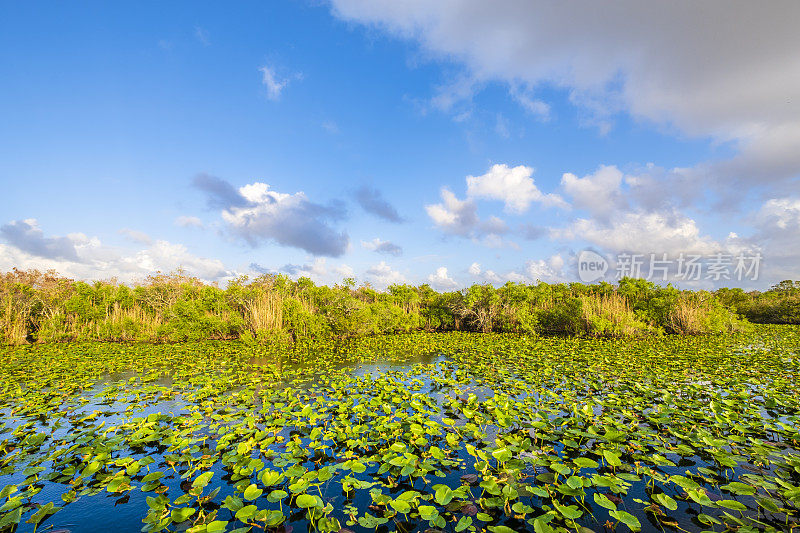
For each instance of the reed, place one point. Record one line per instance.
(609, 315)
(13, 325)
(265, 312)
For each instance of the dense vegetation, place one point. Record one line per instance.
(43, 307)
(458, 432)
(779, 305)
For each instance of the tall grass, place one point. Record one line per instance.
(610, 315)
(130, 323)
(12, 324)
(695, 315)
(271, 308)
(265, 312)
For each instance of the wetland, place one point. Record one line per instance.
(451, 431)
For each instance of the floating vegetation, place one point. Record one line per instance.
(452, 432)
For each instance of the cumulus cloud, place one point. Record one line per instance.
(455, 216)
(165, 256)
(701, 70)
(599, 193)
(634, 214)
(549, 270)
(382, 247)
(513, 186)
(777, 236)
(383, 275)
(185, 221)
(82, 257)
(26, 236)
(460, 217)
(256, 214)
(344, 270)
(784, 213)
(441, 280)
(371, 200)
(642, 232)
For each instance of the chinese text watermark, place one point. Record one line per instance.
(686, 267)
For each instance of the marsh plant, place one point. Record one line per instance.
(447, 431)
(37, 307)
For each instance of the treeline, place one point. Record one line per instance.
(44, 307)
(779, 305)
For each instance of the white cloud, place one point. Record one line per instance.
(460, 217)
(344, 270)
(274, 84)
(642, 232)
(89, 259)
(723, 70)
(549, 270)
(453, 215)
(777, 235)
(255, 213)
(599, 193)
(440, 280)
(188, 222)
(382, 275)
(166, 257)
(514, 186)
(784, 213)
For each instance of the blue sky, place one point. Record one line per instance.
(142, 137)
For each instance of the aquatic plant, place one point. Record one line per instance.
(455, 431)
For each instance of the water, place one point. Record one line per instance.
(453, 384)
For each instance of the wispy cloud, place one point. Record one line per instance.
(185, 221)
(275, 83)
(331, 127)
(382, 247)
(201, 34)
(136, 236)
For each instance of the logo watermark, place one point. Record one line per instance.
(591, 266)
(685, 267)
